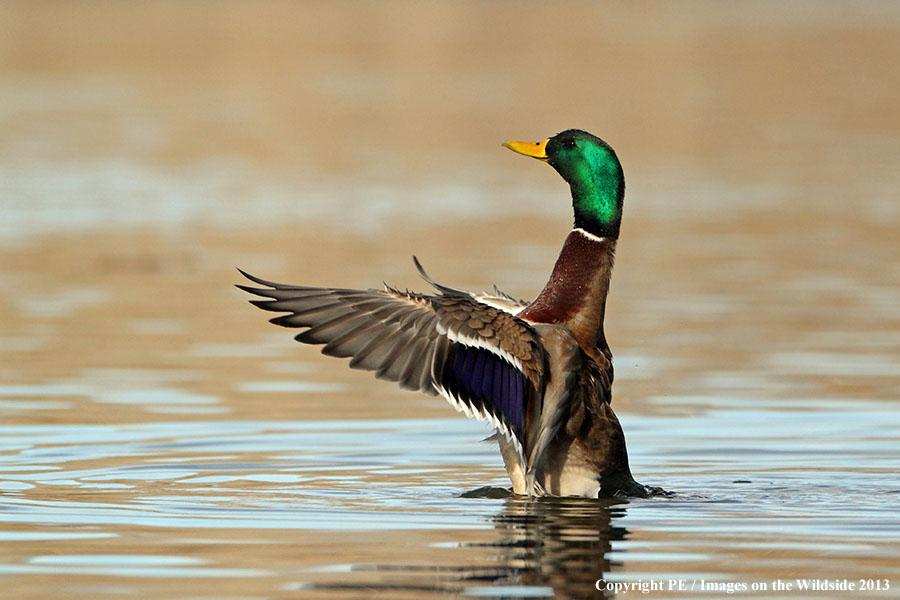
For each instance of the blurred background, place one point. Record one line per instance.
(148, 148)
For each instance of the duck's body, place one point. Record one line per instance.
(540, 372)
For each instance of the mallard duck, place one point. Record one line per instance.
(540, 372)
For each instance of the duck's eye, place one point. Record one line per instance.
(569, 143)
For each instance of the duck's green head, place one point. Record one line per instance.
(592, 170)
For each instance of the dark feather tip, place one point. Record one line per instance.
(264, 304)
(421, 269)
(252, 290)
(271, 284)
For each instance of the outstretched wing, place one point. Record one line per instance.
(497, 298)
(500, 299)
(483, 360)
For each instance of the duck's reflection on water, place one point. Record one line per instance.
(542, 548)
(559, 544)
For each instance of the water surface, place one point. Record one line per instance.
(158, 439)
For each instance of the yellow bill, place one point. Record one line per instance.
(536, 150)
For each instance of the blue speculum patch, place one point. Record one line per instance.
(482, 379)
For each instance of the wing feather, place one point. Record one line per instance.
(480, 357)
